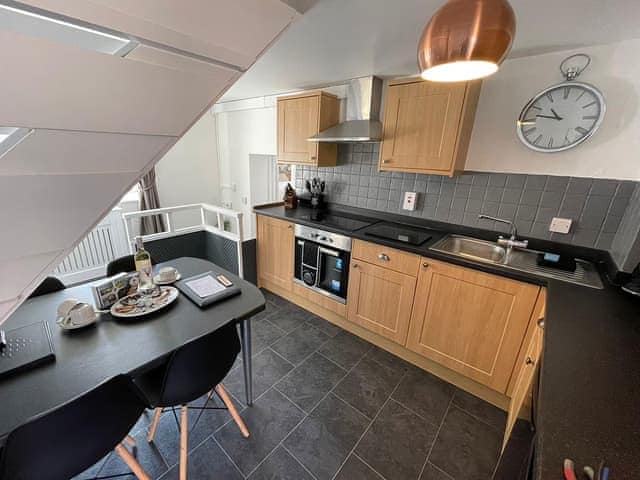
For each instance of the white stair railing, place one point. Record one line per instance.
(217, 220)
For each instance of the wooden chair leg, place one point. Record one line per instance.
(232, 410)
(132, 463)
(154, 424)
(184, 430)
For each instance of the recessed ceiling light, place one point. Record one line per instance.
(42, 25)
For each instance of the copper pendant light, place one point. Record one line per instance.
(466, 39)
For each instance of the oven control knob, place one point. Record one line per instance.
(331, 240)
(309, 278)
(322, 239)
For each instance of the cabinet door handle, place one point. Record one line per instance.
(529, 361)
(355, 265)
(290, 227)
(313, 158)
(386, 161)
(425, 265)
(540, 322)
(384, 257)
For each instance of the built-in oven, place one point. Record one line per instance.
(322, 261)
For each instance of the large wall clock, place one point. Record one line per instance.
(562, 116)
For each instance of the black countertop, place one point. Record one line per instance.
(588, 405)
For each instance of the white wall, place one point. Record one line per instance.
(611, 153)
(188, 173)
(241, 133)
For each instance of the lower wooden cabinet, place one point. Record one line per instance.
(470, 321)
(380, 299)
(525, 371)
(275, 251)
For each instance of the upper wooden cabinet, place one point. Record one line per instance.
(275, 252)
(470, 321)
(303, 116)
(427, 126)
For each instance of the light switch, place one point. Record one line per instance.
(560, 225)
(409, 201)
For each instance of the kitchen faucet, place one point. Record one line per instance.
(512, 241)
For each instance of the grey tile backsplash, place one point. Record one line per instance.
(596, 206)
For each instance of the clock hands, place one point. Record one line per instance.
(555, 115)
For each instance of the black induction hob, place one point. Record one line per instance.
(343, 222)
(399, 233)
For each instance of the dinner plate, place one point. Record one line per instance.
(134, 305)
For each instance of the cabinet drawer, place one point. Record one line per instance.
(386, 257)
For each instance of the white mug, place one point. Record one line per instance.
(167, 274)
(65, 307)
(80, 315)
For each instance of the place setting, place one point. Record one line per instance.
(150, 297)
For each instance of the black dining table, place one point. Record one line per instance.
(86, 357)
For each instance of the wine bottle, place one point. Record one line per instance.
(143, 267)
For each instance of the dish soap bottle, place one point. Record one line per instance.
(143, 267)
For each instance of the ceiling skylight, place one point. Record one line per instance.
(41, 25)
(11, 136)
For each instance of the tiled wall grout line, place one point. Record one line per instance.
(435, 439)
(594, 205)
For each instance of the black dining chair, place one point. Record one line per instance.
(64, 442)
(195, 369)
(48, 285)
(121, 265)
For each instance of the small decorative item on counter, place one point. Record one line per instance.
(316, 188)
(290, 197)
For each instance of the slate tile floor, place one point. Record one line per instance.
(329, 405)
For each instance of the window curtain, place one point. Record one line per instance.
(149, 199)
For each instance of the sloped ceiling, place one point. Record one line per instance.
(97, 122)
(337, 40)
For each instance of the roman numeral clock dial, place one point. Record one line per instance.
(561, 117)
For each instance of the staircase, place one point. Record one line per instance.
(93, 93)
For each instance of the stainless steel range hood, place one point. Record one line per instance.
(362, 124)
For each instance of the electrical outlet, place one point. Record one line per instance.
(409, 201)
(560, 225)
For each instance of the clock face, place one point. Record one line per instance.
(561, 117)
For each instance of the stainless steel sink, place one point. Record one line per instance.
(524, 260)
(480, 250)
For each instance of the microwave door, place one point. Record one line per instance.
(332, 272)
